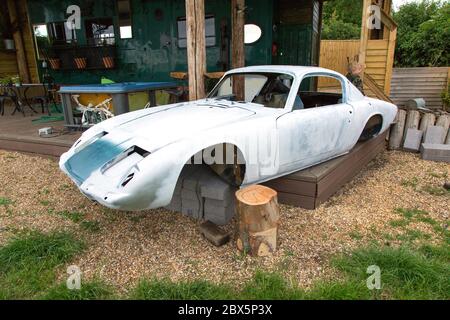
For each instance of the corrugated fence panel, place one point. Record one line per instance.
(426, 83)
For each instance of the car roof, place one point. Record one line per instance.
(297, 70)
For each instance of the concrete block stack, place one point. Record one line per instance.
(202, 195)
(219, 201)
(413, 140)
(436, 152)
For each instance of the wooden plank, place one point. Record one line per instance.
(377, 45)
(353, 163)
(390, 59)
(297, 200)
(287, 185)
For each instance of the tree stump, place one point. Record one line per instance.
(258, 216)
(396, 134)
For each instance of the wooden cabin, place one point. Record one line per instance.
(146, 40)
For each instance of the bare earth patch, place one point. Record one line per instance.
(125, 247)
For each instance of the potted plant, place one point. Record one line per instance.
(6, 31)
(80, 62)
(107, 56)
(53, 59)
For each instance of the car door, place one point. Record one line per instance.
(315, 134)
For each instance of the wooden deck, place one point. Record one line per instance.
(311, 187)
(19, 133)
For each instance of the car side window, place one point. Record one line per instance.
(318, 91)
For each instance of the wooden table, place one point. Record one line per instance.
(180, 75)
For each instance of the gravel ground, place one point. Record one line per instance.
(34, 194)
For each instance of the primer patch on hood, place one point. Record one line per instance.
(91, 158)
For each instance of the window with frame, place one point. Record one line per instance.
(60, 34)
(210, 31)
(100, 31)
(319, 91)
(125, 24)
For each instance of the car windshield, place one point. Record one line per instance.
(268, 89)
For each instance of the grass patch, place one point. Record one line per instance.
(5, 201)
(355, 235)
(399, 223)
(91, 226)
(406, 273)
(411, 213)
(436, 191)
(73, 216)
(413, 182)
(412, 235)
(93, 290)
(28, 261)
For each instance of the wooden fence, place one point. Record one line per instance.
(333, 56)
(426, 83)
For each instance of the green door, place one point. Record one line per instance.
(294, 45)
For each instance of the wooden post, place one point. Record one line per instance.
(258, 218)
(22, 63)
(237, 45)
(412, 122)
(196, 49)
(364, 34)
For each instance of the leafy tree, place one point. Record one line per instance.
(423, 33)
(342, 19)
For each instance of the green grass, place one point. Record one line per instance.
(406, 273)
(436, 191)
(91, 226)
(75, 217)
(410, 183)
(93, 290)
(28, 262)
(5, 201)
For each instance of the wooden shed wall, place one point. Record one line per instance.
(426, 83)
(376, 60)
(8, 63)
(27, 39)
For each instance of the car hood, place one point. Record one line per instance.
(164, 125)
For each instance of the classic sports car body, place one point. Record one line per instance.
(262, 117)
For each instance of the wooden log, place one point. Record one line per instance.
(22, 62)
(428, 119)
(258, 216)
(412, 122)
(396, 133)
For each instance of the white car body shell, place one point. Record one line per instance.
(172, 134)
